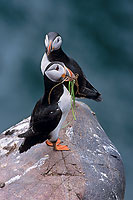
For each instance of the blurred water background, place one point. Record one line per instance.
(98, 34)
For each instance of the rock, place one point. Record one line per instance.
(91, 170)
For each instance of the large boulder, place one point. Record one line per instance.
(91, 170)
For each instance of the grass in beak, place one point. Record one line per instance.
(71, 90)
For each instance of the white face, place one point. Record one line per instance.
(56, 43)
(46, 41)
(55, 72)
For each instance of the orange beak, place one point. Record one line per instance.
(69, 75)
(49, 47)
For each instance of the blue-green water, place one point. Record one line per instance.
(98, 34)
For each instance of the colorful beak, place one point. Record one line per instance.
(49, 47)
(69, 75)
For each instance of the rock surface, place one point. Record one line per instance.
(91, 170)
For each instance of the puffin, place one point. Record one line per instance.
(51, 110)
(54, 52)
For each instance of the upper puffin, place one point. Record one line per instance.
(54, 52)
(51, 110)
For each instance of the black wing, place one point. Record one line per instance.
(85, 88)
(44, 119)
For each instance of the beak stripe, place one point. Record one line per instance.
(70, 72)
(49, 47)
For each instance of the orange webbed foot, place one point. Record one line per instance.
(51, 144)
(60, 147)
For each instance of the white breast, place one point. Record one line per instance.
(65, 101)
(65, 105)
(44, 63)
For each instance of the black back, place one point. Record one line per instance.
(45, 117)
(85, 88)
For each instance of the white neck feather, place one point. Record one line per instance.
(44, 63)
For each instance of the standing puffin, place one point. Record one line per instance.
(54, 52)
(51, 110)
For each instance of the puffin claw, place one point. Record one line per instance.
(60, 147)
(51, 144)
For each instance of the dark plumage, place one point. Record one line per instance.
(56, 54)
(44, 119)
(47, 116)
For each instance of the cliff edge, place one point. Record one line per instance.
(91, 170)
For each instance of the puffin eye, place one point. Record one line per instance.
(57, 68)
(58, 40)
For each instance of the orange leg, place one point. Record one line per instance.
(51, 144)
(59, 147)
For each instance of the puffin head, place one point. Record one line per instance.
(53, 42)
(57, 72)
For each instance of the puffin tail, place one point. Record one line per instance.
(86, 90)
(91, 93)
